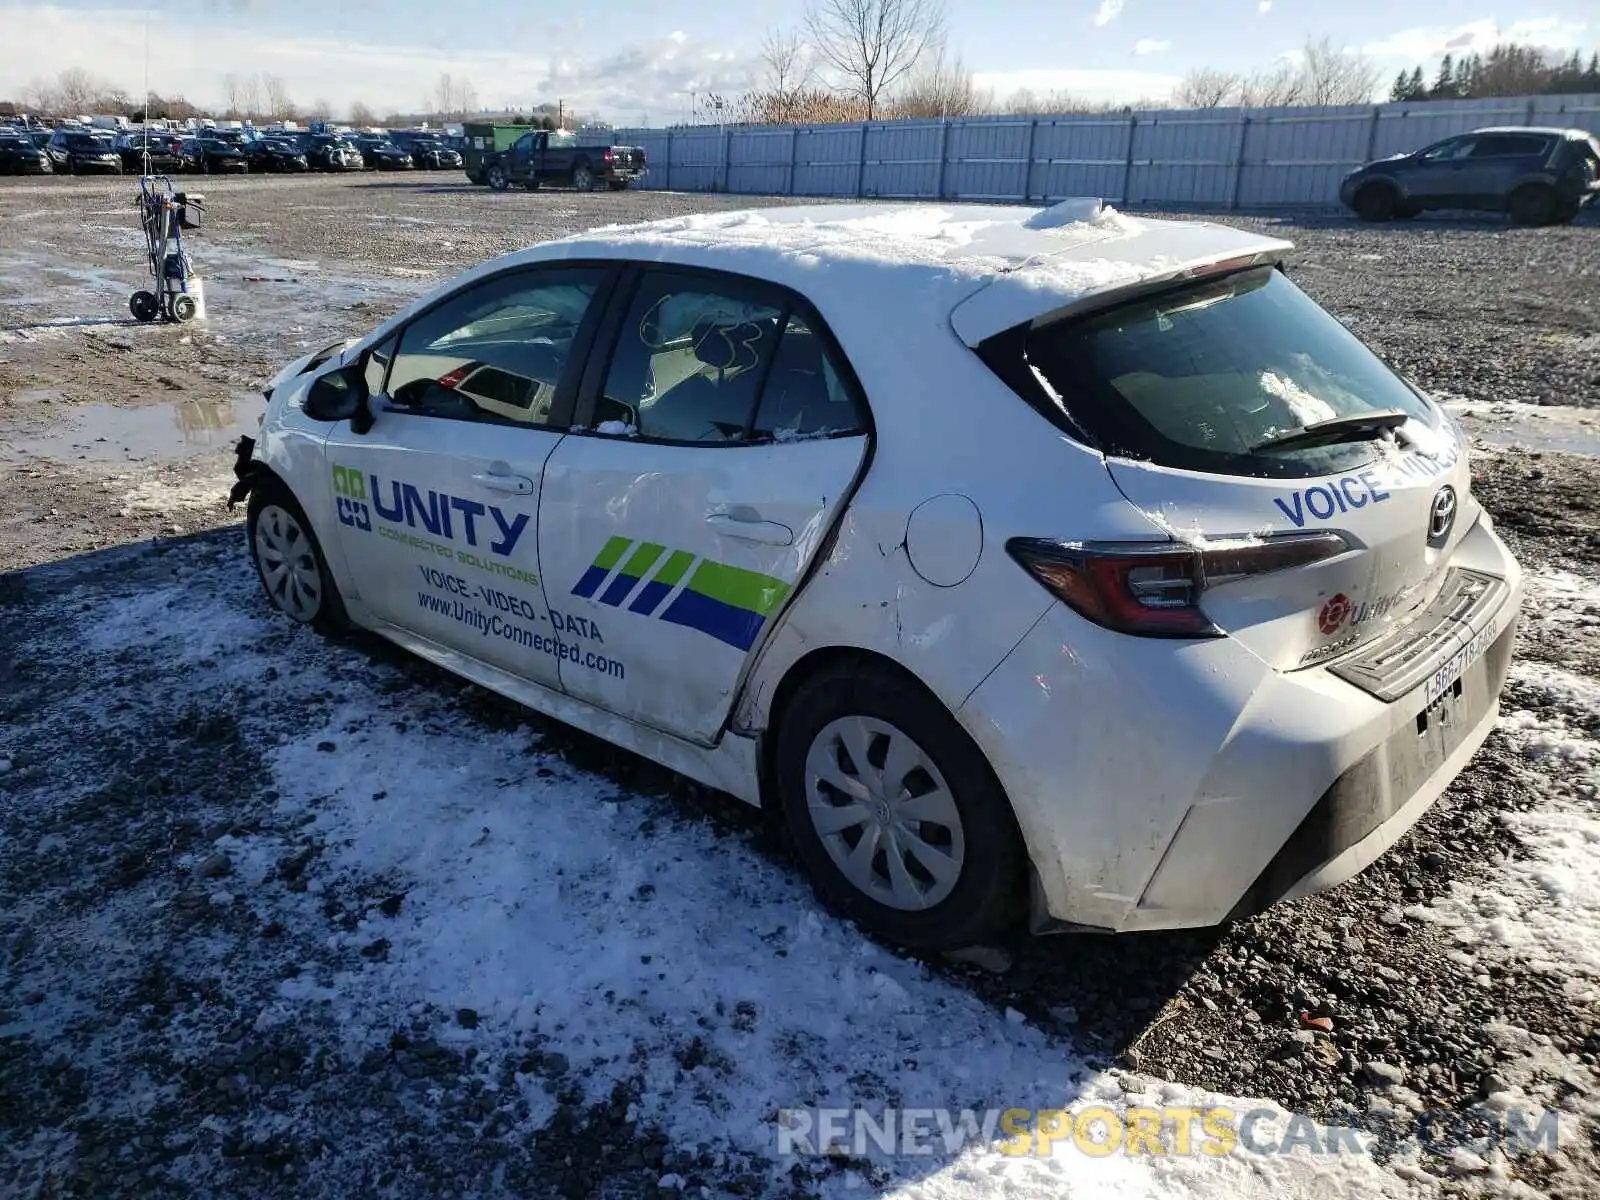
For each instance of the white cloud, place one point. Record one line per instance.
(1108, 12)
(1264, 6)
(1151, 46)
(592, 75)
(1424, 42)
(1088, 83)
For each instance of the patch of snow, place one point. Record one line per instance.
(616, 428)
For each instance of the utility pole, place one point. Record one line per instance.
(561, 120)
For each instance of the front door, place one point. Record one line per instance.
(437, 502)
(1440, 174)
(728, 438)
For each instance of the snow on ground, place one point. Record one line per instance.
(509, 900)
(1544, 904)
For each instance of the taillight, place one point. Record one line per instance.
(452, 379)
(610, 157)
(1153, 589)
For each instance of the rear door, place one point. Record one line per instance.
(727, 435)
(437, 502)
(1187, 391)
(1499, 161)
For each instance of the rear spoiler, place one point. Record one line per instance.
(1055, 286)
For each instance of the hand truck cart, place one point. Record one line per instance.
(178, 294)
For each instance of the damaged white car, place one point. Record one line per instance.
(1044, 561)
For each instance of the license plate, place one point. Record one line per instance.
(1443, 679)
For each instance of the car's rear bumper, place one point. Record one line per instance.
(1164, 785)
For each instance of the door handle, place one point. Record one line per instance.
(517, 485)
(751, 529)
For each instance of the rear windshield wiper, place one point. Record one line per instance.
(1353, 428)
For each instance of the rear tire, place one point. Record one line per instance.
(583, 178)
(145, 306)
(865, 753)
(498, 179)
(1376, 202)
(1533, 204)
(619, 185)
(184, 308)
(289, 561)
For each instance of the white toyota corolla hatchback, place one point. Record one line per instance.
(1030, 560)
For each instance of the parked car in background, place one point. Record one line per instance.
(1534, 175)
(75, 152)
(165, 154)
(276, 154)
(19, 155)
(378, 153)
(557, 156)
(331, 152)
(428, 150)
(214, 156)
(931, 606)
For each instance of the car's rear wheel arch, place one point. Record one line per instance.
(1000, 872)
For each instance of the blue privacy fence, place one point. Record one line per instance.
(1220, 157)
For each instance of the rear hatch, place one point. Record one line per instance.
(1236, 413)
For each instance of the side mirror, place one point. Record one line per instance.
(341, 396)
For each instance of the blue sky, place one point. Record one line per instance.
(633, 59)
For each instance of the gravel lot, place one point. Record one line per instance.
(217, 985)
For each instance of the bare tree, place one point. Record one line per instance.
(42, 97)
(232, 94)
(320, 110)
(1284, 84)
(250, 103)
(786, 63)
(77, 90)
(279, 105)
(1332, 75)
(940, 87)
(1206, 88)
(360, 114)
(872, 44)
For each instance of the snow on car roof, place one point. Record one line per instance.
(986, 267)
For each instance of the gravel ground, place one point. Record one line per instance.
(125, 764)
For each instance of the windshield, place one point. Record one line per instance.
(1198, 378)
(84, 141)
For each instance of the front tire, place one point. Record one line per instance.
(289, 561)
(895, 812)
(1376, 202)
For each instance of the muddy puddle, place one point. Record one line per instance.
(1532, 427)
(106, 433)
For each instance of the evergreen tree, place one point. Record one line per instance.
(1591, 77)
(1444, 83)
(1401, 89)
(1416, 89)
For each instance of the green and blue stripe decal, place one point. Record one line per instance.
(730, 604)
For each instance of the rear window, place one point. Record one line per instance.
(1199, 377)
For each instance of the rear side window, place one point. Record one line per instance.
(1199, 377)
(1509, 145)
(804, 395)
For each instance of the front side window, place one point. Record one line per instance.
(1202, 376)
(496, 352)
(689, 362)
(1455, 148)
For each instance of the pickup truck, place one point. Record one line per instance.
(545, 156)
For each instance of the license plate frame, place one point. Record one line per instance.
(1445, 676)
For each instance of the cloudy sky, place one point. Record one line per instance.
(638, 61)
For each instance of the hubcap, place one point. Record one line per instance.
(288, 564)
(884, 813)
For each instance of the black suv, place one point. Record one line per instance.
(165, 156)
(19, 156)
(330, 152)
(427, 149)
(214, 156)
(75, 152)
(1536, 176)
(380, 154)
(276, 154)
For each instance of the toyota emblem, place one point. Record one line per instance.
(1442, 516)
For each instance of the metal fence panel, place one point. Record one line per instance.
(1231, 158)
